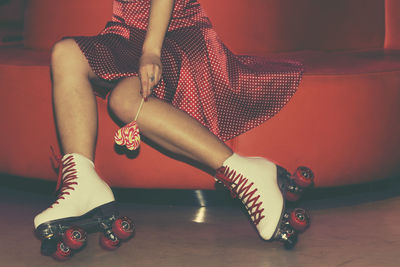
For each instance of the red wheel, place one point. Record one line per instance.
(291, 239)
(63, 252)
(290, 196)
(303, 177)
(299, 219)
(123, 228)
(74, 237)
(108, 244)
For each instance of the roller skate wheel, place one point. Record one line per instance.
(291, 196)
(123, 228)
(291, 240)
(109, 244)
(63, 252)
(299, 219)
(48, 246)
(303, 177)
(74, 237)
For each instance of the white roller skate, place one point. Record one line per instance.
(85, 203)
(262, 187)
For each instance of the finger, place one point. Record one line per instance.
(150, 75)
(154, 77)
(143, 82)
(151, 85)
(156, 74)
(140, 81)
(160, 70)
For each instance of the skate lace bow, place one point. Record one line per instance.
(67, 173)
(240, 187)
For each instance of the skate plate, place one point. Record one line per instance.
(60, 238)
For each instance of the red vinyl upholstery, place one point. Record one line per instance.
(392, 40)
(342, 122)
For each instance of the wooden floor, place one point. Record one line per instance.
(354, 226)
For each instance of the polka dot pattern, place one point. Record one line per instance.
(229, 94)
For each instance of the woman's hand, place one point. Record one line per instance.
(150, 67)
(150, 70)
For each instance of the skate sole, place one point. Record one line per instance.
(61, 238)
(90, 221)
(282, 180)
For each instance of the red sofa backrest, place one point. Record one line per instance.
(46, 21)
(247, 27)
(11, 11)
(262, 26)
(392, 40)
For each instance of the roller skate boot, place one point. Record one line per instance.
(261, 187)
(85, 204)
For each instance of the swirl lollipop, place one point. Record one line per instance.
(129, 134)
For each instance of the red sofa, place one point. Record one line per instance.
(11, 21)
(343, 122)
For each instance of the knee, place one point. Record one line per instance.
(60, 50)
(66, 54)
(122, 107)
(124, 102)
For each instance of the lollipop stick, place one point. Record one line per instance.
(140, 108)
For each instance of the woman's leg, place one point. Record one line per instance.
(169, 127)
(76, 118)
(253, 180)
(74, 101)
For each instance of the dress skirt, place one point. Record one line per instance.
(229, 94)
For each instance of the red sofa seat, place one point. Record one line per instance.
(342, 122)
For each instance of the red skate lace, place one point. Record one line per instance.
(66, 175)
(237, 185)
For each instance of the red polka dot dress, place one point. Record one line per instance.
(229, 94)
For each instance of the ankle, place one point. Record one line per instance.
(79, 157)
(87, 155)
(233, 159)
(221, 161)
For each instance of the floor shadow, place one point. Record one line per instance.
(316, 198)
